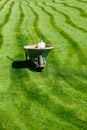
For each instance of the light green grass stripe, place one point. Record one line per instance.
(3, 4)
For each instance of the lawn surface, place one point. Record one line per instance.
(55, 99)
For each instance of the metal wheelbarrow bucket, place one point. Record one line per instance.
(37, 55)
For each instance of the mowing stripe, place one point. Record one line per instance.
(68, 20)
(81, 11)
(7, 17)
(82, 1)
(38, 31)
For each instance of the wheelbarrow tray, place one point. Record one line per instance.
(33, 51)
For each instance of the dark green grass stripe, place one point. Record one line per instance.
(68, 20)
(82, 1)
(7, 17)
(82, 12)
(21, 19)
(77, 50)
(20, 22)
(1, 40)
(2, 7)
(9, 14)
(36, 21)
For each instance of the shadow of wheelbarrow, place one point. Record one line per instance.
(25, 64)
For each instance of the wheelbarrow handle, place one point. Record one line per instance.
(22, 40)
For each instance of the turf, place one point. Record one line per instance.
(55, 99)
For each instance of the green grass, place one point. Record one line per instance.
(55, 99)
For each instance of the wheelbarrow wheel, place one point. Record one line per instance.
(40, 69)
(40, 61)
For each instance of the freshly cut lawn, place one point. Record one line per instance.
(55, 99)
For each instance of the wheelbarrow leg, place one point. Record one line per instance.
(26, 55)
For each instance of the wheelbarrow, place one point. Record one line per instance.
(36, 55)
